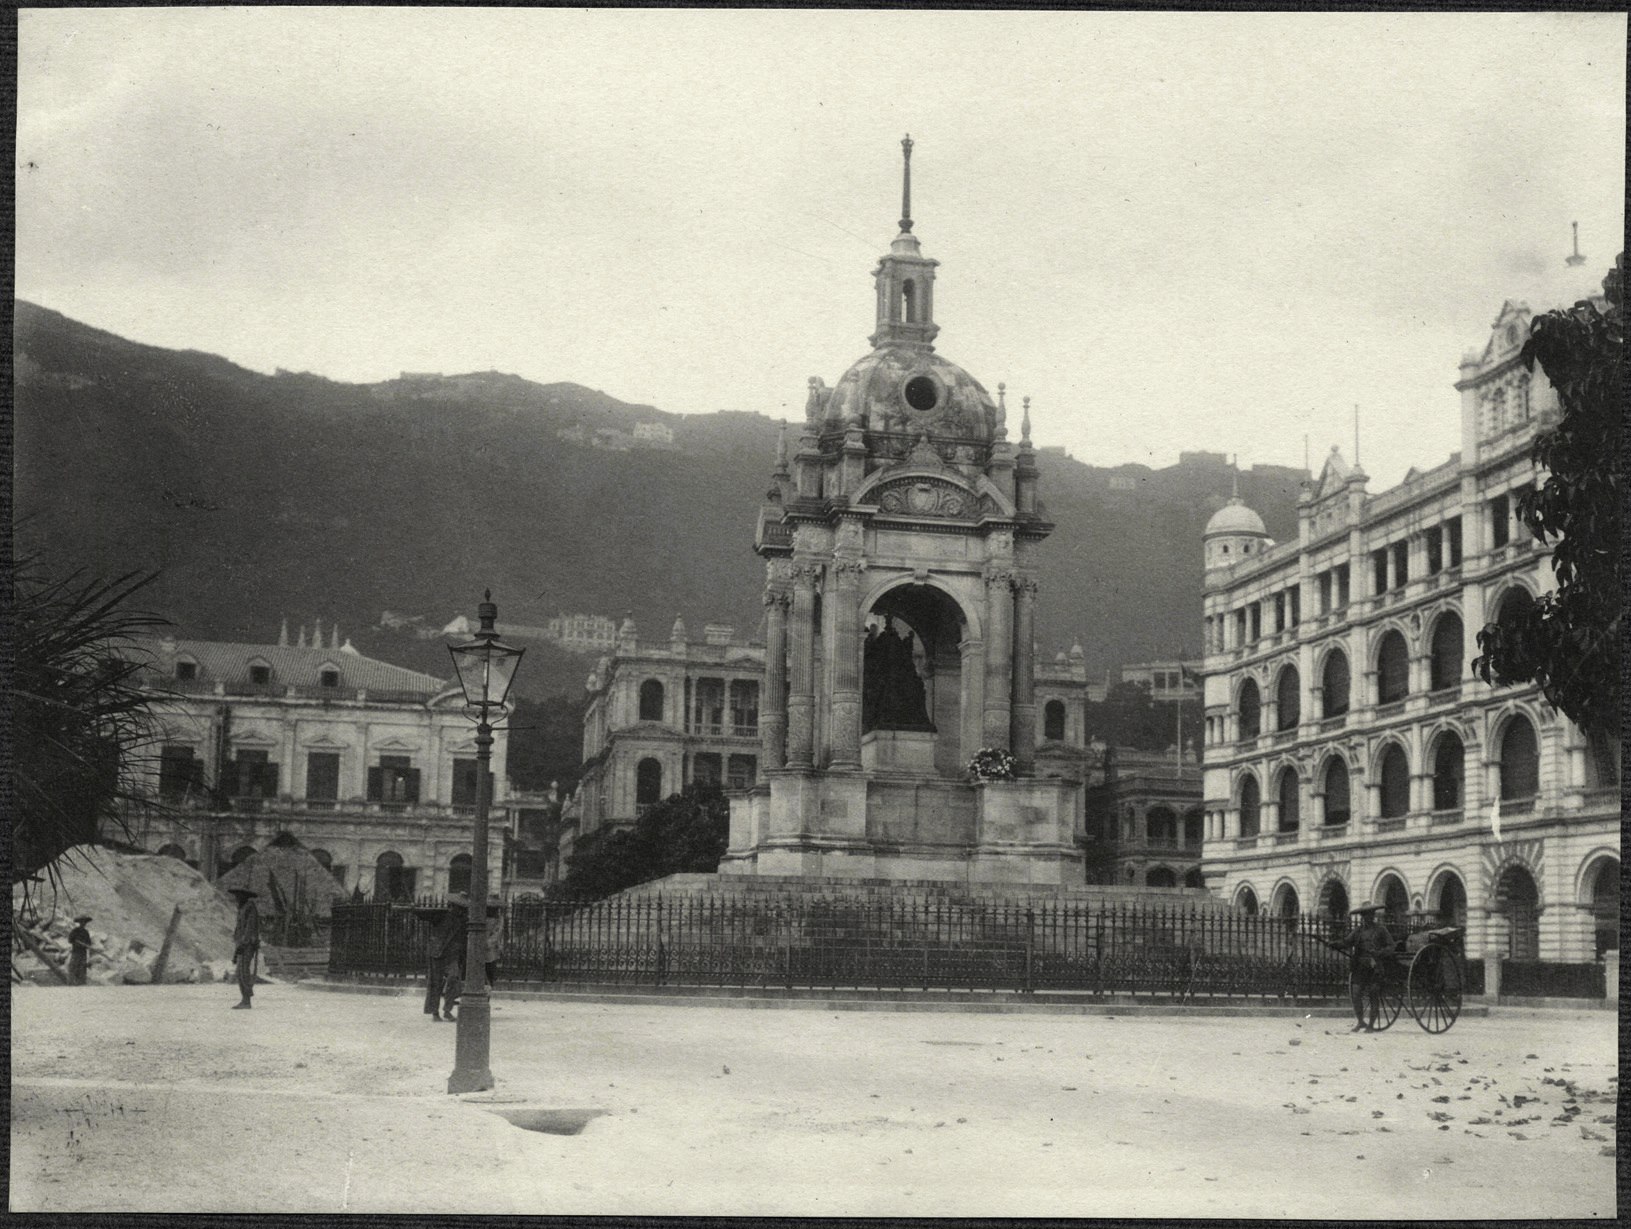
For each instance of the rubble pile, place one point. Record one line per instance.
(130, 898)
(286, 875)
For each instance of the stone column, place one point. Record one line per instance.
(773, 714)
(801, 669)
(1022, 716)
(999, 659)
(844, 734)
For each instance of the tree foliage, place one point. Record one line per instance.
(685, 832)
(546, 742)
(81, 722)
(1569, 641)
(1129, 717)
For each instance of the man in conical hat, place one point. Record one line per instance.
(1368, 945)
(246, 943)
(79, 950)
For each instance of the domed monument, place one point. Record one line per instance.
(900, 600)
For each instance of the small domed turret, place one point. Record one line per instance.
(1235, 532)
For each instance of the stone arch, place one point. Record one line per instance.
(1336, 682)
(173, 851)
(1161, 825)
(1447, 895)
(1515, 901)
(652, 695)
(1447, 645)
(1447, 764)
(1161, 877)
(1598, 888)
(1390, 892)
(1288, 791)
(941, 700)
(1249, 801)
(1335, 783)
(972, 626)
(1249, 707)
(1246, 899)
(1515, 748)
(1288, 697)
(1332, 897)
(1053, 721)
(1284, 900)
(1193, 878)
(458, 873)
(1390, 769)
(1390, 658)
(648, 782)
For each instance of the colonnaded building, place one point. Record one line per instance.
(1351, 755)
(370, 766)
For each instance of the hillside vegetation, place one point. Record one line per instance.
(264, 496)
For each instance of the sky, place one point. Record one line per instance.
(1173, 231)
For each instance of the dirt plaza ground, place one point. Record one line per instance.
(163, 1099)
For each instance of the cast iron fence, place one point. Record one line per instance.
(878, 943)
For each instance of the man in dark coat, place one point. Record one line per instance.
(445, 937)
(453, 949)
(79, 950)
(1368, 945)
(246, 943)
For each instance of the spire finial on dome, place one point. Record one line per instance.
(283, 633)
(1025, 423)
(781, 449)
(1234, 479)
(906, 184)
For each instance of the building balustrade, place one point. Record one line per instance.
(1246, 842)
(1445, 695)
(1332, 832)
(1333, 723)
(299, 806)
(1518, 806)
(1392, 824)
(1288, 837)
(1450, 815)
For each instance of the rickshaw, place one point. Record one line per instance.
(1424, 972)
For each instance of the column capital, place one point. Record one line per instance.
(998, 577)
(778, 599)
(845, 568)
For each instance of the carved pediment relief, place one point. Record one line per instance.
(925, 496)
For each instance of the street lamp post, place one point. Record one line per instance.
(486, 667)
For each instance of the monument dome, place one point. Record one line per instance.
(910, 390)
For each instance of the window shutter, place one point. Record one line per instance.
(376, 784)
(410, 785)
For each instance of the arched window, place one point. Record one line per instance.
(1605, 905)
(1395, 902)
(1395, 800)
(458, 873)
(1517, 901)
(1194, 829)
(1053, 720)
(1520, 760)
(1286, 903)
(1337, 808)
(1161, 877)
(1290, 811)
(1512, 616)
(1602, 760)
(1162, 826)
(1246, 901)
(1334, 683)
(1334, 900)
(1449, 772)
(648, 783)
(240, 854)
(1392, 668)
(1288, 699)
(1251, 710)
(324, 858)
(651, 700)
(392, 880)
(173, 851)
(1452, 902)
(908, 301)
(1251, 805)
(1448, 645)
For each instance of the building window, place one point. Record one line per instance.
(1378, 560)
(1452, 536)
(465, 782)
(1449, 772)
(1257, 620)
(1325, 592)
(458, 873)
(651, 700)
(1342, 585)
(181, 773)
(1296, 596)
(1500, 522)
(648, 784)
(708, 707)
(1288, 699)
(1161, 825)
(1279, 612)
(1519, 495)
(1053, 720)
(1250, 710)
(1251, 806)
(1435, 550)
(1445, 662)
(322, 776)
(392, 880)
(1290, 809)
(1240, 627)
(1334, 684)
(1602, 761)
(744, 708)
(706, 768)
(329, 678)
(186, 671)
(394, 781)
(1395, 791)
(260, 675)
(1337, 805)
(1401, 564)
(741, 771)
(1392, 669)
(250, 775)
(1520, 760)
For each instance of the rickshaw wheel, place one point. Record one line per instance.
(1435, 988)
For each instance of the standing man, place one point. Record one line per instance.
(453, 951)
(246, 943)
(444, 937)
(1367, 946)
(79, 950)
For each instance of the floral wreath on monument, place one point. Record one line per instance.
(992, 764)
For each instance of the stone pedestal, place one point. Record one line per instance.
(1025, 832)
(899, 751)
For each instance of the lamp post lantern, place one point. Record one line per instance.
(486, 667)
